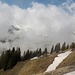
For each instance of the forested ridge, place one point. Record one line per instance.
(9, 58)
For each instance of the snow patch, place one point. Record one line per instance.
(58, 60)
(34, 58)
(70, 73)
(41, 56)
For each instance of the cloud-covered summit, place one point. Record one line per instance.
(39, 25)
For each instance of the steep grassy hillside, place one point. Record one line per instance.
(31, 66)
(70, 60)
(60, 71)
(67, 65)
(13, 71)
(37, 66)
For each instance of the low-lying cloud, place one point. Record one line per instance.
(39, 25)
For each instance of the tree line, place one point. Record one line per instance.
(9, 58)
(64, 46)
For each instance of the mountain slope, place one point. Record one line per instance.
(37, 66)
(13, 71)
(60, 71)
(29, 67)
(66, 66)
(70, 60)
(60, 57)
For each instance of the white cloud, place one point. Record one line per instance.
(40, 25)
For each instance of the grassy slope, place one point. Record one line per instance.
(30, 66)
(70, 60)
(60, 71)
(37, 66)
(13, 71)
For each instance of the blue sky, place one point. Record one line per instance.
(27, 3)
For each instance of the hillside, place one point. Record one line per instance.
(39, 66)
(31, 66)
(70, 60)
(13, 71)
(60, 71)
(66, 66)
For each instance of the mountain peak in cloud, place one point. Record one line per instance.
(37, 26)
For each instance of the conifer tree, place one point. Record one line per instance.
(18, 54)
(40, 52)
(67, 47)
(45, 52)
(31, 54)
(52, 49)
(2, 59)
(0, 63)
(6, 60)
(64, 46)
(57, 47)
(27, 56)
(72, 45)
(24, 56)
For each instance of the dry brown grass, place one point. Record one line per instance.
(13, 71)
(37, 66)
(30, 66)
(60, 71)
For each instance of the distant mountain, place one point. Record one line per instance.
(11, 31)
